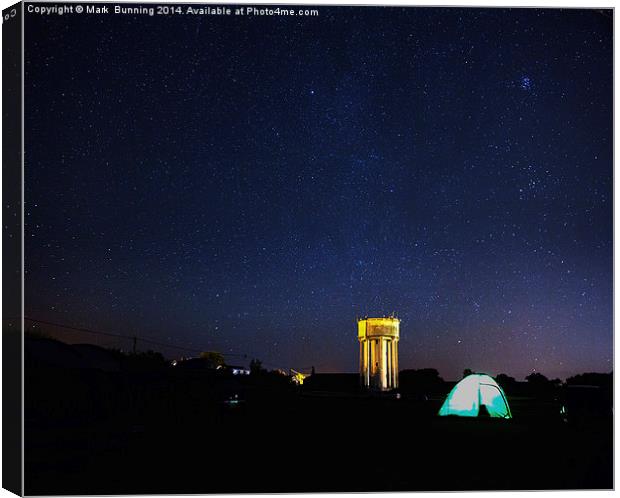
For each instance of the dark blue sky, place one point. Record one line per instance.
(253, 184)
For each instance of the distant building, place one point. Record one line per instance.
(378, 338)
(297, 377)
(238, 370)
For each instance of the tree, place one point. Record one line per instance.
(556, 382)
(256, 366)
(213, 359)
(506, 382)
(467, 371)
(591, 379)
(504, 379)
(537, 379)
(424, 380)
(539, 384)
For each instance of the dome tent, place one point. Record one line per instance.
(471, 393)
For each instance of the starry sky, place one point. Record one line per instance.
(252, 185)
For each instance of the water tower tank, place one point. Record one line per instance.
(378, 339)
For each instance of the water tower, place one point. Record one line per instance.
(378, 352)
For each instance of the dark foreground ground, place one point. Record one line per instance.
(156, 433)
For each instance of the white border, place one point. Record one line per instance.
(456, 3)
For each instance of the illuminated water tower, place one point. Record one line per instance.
(378, 352)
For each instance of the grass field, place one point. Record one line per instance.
(179, 437)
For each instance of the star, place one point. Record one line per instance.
(525, 83)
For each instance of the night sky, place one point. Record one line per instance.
(252, 185)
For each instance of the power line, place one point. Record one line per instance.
(132, 338)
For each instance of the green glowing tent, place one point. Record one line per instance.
(471, 393)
